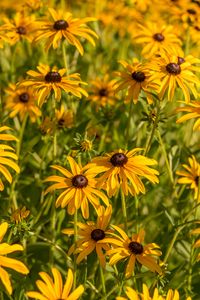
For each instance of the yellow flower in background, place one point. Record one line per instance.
(64, 118)
(156, 38)
(174, 295)
(49, 80)
(53, 289)
(62, 26)
(6, 152)
(197, 243)
(145, 295)
(102, 92)
(132, 250)
(7, 262)
(20, 27)
(90, 236)
(79, 188)
(123, 169)
(173, 73)
(22, 101)
(191, 176)
(193, 112)
(47, 126)
(135, 79)
(19, 215)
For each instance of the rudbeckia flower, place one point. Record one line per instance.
(54, 289)
(79, 188)
(197, 243)
(191, 176)
(62, 26)
(174, 295)
(46, 81)
(173, 72)
(123, 169)
(64, 118)
(8, 262)
(157, 38)
(133, 250)
(193, 112)
(6, 152)
(20, 27)
(91, 235)
(145, 295)
(22, 101)
(134, 80)
(102, 92)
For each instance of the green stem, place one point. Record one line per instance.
(75, 242)
(21, 134)
(136, 211)
(165, 156)
(129, 123)
(124, 210)
(64, 57)
(149, 142)
(103, 281)
(102, 141)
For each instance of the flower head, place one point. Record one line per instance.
(132, 249)
(197, 243)
(79, 188)
(123, 169)
(6, 152)
(193, 112)
(64, 118)
(49, 80)
(22, 101)
(8, 262)
(135, 79)
(62, 26)
(54, 289)
(191, 176)
(91, 235)
(145, 295)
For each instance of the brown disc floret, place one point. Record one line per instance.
(173, 68)
(24, 97)
(79, 181)
(118, 159)
(136, 248)
(60, 25)
(138, 76)
(53, 77)
(97, 234)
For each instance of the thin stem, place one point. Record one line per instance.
(54, 131)
(149, 142)
(129, 123)
(124, 210)
(64, 57)
(75, 242)
(103, 281)
(102, 141)
(21, 134)
(136, 211)
(165, 156)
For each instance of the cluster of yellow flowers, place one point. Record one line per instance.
(157, 49)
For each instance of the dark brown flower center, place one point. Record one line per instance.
(21, 30)
(60, 25)
(24, 97)
(181, 60)
(159, 37)
(79, 181)
(138, 76)
(191, 11)
(103, 92)
(118, 159)
(197, 28)
(61, 122)
(173, 68)
(196, 179)
(97, 234)
(136, 248)
(53, 77)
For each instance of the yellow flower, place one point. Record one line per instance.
(54, 289)
(193, 109)
(63, 26)
(22, 101)
(6, 152)
(20, 27)
(47, 126)
(133, 250)
(91, 235)
(174, 295)
(132, 294)
(8, 262)
(102, 91)
(135, 79)
(79, 188)
(123, 169)
(64, 118)
(46, 81)
(191, 176)
(173, 72)
(19, 214)
(157, 38)
(197, 243)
